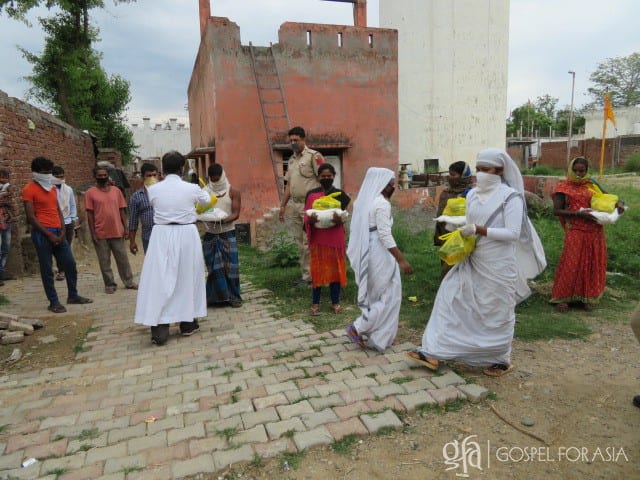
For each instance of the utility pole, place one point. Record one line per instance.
(573, 85)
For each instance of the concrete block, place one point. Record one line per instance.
(312, 438)
(381, 420)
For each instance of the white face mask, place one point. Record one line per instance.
(56, 181)
(487, 181)
(44, 179)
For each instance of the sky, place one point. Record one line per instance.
(153, 44)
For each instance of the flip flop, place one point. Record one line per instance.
(498, 370)
(421, 358)
(352, 333)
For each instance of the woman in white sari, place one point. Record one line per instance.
(376, 261)
(473, 316)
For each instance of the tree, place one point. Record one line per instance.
(67, 76)
(621, 75)
(541, 118)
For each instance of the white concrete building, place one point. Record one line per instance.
(154, 141)
(627, 123)
(453, 61)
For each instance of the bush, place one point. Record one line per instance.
(632, 164)
(545, 171)
(283, 251)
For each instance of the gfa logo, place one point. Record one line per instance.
(465, 455)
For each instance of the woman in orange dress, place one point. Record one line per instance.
(327, 246)
(581, 272)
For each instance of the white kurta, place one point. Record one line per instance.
(379, 285)
(473, 316)
(172, 283)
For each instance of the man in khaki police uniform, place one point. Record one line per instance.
(302, 176)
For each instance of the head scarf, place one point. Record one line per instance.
(358, 250)
(220, 187)
(498, 158)
(572, 177)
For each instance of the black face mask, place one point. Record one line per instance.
(326, 183)
(296, 147)
(102, 181)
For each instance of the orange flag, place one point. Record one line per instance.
(608, 110)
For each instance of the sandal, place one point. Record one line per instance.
(337, 309)
(418, 356)
(352, 333)
(59, 276)
(315, 310)
(562, 307)
(79, 300)
(57, 308)
(498, 370)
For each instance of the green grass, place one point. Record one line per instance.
(4, 300)
(536, 318)
(345, 445)
(88, 434)
(291, 459)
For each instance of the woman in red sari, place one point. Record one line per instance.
(327, 246)
(581, 273)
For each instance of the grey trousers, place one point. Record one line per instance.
(104, 248)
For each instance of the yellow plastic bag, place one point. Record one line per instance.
(455, 247)
(604, 202)
(200, 209)
(327, 202)
(456, 207)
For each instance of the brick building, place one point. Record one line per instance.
(338, 82)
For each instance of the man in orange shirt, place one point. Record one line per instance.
(105, 206)
(47, 232)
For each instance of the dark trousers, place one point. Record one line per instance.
(69, 233)
(46, 251)
(334, 291)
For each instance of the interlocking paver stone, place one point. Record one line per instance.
(252, 419)
(277, 429)
(317, 436)
(473, 392)
(224, 458)
(448, 379)
(312, 420)
(381, 420)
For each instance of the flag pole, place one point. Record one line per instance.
(604, 137)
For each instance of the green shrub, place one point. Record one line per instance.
(283, 251)
(632, 164)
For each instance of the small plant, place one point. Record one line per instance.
(57, 437)
(426, 408)
(492, 395)
(88, 434)
(227, 433)
(386, 431)
(259, 372)
(131, 469)
(632, 164)
(291, 460)
(3, 428)
(283, 251)
(57, 472)
(234, 394)
(345, 444)
(211, 367)
(401, 380)
(257, 460)
(85, 446)
(239, 366)
(289, 433)
(454, 406)
(79, 346)
(285, 353)
(372, 375)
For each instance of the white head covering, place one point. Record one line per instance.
(220, 187)
(529, 249)
(496, 157)
(374, 182)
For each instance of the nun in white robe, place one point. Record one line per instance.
(376, 261)
(473, 316)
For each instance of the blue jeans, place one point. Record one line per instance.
(5, 245)
(46, 251)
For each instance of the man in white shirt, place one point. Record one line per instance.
(172, 282)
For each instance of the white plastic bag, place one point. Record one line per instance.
(325, 217)
(213, 215)
(451, 222)
(603, 218)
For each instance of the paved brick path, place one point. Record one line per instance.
(245, 385)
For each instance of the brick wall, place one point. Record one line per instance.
(27, 132)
